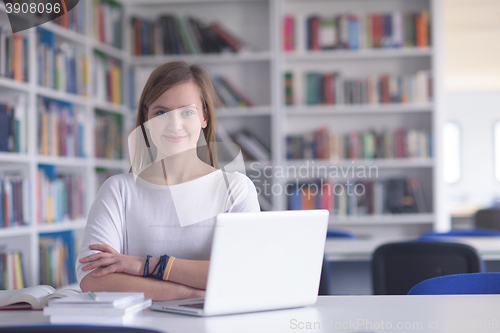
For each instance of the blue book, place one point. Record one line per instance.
(387, 31)
(4, 128)
(295, 200)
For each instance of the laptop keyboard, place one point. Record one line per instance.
(193, 305)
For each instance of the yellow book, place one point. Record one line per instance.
(115, 81)
(85, 75)
(50, 208)
(19, 271)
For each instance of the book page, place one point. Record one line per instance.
(32, 295)
(58, 294)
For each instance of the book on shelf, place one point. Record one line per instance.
(108, 17)
(251, 147)
(57, 258)
(61, 66)
(35, 298)
(60, 129)
(229, 95)
(347, 31)
(60, 196)
(14, 199)
(336, 89)
(171, 34)
(108, 135)
(73, 20)
(13, 54)
(13, 131)
(358, 197)
(107, 76)
(11, 272)
(369, 144)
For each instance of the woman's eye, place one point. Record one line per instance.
(188, 113)
(159, 113)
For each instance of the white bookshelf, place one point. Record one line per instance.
(259, 73)
(26, 238)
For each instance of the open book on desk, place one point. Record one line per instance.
(32, 298)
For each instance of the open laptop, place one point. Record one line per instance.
(260, 261)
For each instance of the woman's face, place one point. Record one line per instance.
(176, 118)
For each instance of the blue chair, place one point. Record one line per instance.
(477, 232)
(472, 283)
(326, 272)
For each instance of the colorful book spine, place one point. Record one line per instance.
(400, 143)
(107, 79)
(60, 129)
(170, 34)
(13, 54)
(60, 196)
(11, 270)
(61, 66)
(14, 199)
(73, 20)
(334, 89)
(359, 197)
(57, 257)
(354, 32)
(229, 95)
(108, 26)
(108, 135)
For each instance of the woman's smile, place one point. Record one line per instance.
(174, 138)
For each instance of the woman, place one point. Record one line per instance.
(167, 205)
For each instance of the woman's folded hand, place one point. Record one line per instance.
(113, 261)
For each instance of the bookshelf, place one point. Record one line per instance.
(83, 101)
(358, 61)
(257, 71)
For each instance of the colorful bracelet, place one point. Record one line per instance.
(159, 269)
(168, 268)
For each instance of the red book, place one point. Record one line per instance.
(101, 23)
(328, 89)
(377, 30)
(234, 43)
(315, 23)
(288, 33)
(327, 197)
(386, 96)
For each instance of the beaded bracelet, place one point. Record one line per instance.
(159, 268)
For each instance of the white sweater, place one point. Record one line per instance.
(177, 220)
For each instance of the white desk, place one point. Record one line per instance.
(456, 313)
(351, 260)
(362, 249)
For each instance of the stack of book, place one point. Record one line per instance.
(98, 308)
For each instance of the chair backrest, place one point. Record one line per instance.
(474, 283)
(488, 218)
(397, 267)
